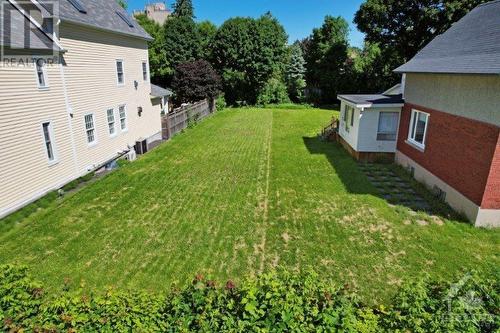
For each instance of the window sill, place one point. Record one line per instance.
(125, 130)
(44, 88)
(93, 144)
(53, 163)
(416, 145)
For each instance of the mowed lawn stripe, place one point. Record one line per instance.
(243, 192)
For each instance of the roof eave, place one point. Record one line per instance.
(369, 105)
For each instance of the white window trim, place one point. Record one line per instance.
(124, 130)
(147, 70)
(44, 72)
(52, 136)
(93, 143)
(413, 124)
(116, 70)
(114, 123)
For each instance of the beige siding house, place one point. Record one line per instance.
(61, 120)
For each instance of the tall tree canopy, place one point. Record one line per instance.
(158, 64)
(248, 52)
(183, 8)
(207, 31)
(182, 43)
(401, 28)
(326, 58)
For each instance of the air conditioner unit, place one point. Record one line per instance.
(131, 155)
(141, 147)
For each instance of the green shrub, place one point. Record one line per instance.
(274, 92)
(275, 302)
(220, 103)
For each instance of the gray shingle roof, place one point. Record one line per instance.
(472, 46)
(101, 14)
(157, 91)
(374, 99)
(14, 23)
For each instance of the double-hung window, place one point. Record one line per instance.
(418, 128)
(48, 137)
(110, 114)
(90, 129)
(120, 75)
(387, 126)
(144, 70)
(123, 117)
(41, 73)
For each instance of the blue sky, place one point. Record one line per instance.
(298, 16)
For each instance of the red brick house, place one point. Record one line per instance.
(449, 134)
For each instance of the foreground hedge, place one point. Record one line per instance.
(276, 302)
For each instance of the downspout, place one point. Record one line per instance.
(69, 111)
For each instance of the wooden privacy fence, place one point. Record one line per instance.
(180, 118)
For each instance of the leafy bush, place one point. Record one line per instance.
(274, 92)
(276, 302)
(220, 103)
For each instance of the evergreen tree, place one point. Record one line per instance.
(184, 8)
(295, 73)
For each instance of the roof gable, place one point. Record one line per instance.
(472, 45)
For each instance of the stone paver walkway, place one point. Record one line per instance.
(394, 189)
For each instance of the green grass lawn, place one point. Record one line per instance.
(241, 193)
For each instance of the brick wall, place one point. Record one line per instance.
(458, 150)
(491, 199)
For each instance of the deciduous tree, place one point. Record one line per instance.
(194, 81)
(326, 58)
(248, 52)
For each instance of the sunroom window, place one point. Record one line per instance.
(387, 126)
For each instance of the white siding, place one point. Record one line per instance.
(91, 78)
(24, 168)
(351, 135)
(368, 128)
(88, 71)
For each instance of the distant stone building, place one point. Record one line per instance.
(157, 12)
